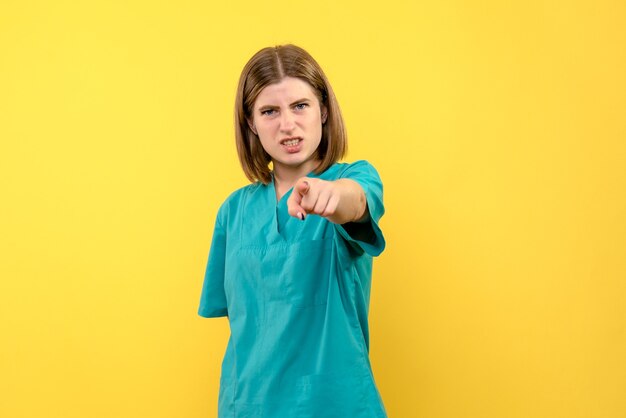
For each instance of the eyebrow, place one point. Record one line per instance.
(304, 99)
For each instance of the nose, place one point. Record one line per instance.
(287, 122)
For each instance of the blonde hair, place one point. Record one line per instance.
(268, 66)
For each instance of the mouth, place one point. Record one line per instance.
(292, 145)
(291, 142)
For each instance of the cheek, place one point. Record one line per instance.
(267, 126)
(319, 128)
(265, 142)
(264, 132)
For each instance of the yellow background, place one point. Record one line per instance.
(499, 130)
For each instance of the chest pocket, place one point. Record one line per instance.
(295, 274)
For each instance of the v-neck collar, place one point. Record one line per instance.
(286, 195)
(280, 216)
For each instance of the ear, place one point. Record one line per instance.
(251, 125)
(324, 111)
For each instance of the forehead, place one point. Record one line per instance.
(288, 90)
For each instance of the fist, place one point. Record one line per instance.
(314, 196)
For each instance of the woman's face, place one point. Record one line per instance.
(288, 119)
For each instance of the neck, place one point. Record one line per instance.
(285, 177)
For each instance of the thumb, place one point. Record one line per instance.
(302, 187)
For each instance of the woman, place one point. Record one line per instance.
(291, 257)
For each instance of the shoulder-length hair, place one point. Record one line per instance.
(268, 66)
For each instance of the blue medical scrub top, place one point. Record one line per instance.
(296, 294)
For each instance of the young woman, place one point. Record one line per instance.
(290, 263)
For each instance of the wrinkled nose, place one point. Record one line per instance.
(287, 122)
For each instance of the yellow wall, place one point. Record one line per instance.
(499, 131)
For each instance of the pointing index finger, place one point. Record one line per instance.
(302, 187)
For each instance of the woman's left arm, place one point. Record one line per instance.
(340, 201)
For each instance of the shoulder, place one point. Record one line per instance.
(236, 199)
(367, 236)
(359, 168)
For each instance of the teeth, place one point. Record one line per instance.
(291, 142)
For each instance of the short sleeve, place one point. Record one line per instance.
(366, 235)
(213, 297)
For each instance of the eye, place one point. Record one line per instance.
(301, 106)
(267, 112)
